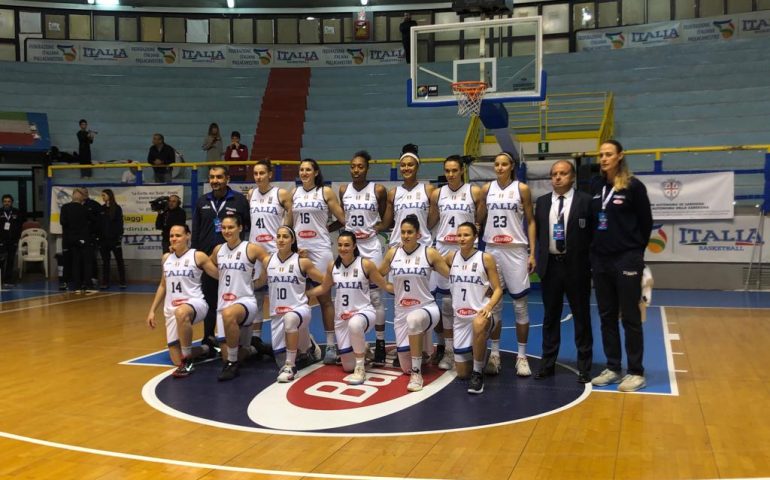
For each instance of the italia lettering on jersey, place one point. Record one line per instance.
(236, 274)
(311, 214)
(362, 210)
(469, 284)
(183, 279)
(267, 214)
(455, 207)
(407, 202)
(286, 284)
(411, 274)
(351, 293)
(505, 216)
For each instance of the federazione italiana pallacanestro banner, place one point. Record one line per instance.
(140, 54)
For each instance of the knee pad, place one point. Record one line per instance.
(357, 325)
(417, 321)
(520, 308)
(379, 308)
(291, 322)
(447, 312)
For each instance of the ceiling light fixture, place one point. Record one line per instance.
(230, 3)
(364, 3)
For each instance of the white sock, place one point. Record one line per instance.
(186, 352)
(232, 354)
(360, 361)
(449, 342)
(380, 334)
(522, 349)
(496, 347)
(330, 339)
(416, 363)
(291, 357)
(478, 366)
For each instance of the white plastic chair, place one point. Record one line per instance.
(34, 232)
(33, 248)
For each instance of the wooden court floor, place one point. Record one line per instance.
(68, 410)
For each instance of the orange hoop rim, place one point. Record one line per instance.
(469, 87)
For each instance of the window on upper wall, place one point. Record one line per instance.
(29, 22)
(583, 16)
(151, 29)
(763, 4)
(309, 30)
(174, 30)
(7, 24)
(633, 12)
(347, 30)
(287, 30)
(447, 53)
(197, 31)
(7, 52)
(684, 9)
(80, 27)
(525, 28)
(658, 10)
(711, 8)
(443, 18)
(55, 26)
(265, 31)
(739, 6)
(332, 30)
(243, 30)
(555, 45)
(608, 14)
(380, 27)
(556, 18)
(104, 27)
(127, 27)
(220, 30)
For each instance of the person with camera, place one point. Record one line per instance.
(170, 213)
(237, 152)
(212, 144)
(209, 211)
(85, 139)
(160, 156)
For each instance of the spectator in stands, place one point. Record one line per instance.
(10, 232)
(85, 139)
(160, 155)
(110, 238)
(237, 152)
(75, 221)
(129, 176)
(406, 39)
(212, 145)
(209, 211)
(174, 214)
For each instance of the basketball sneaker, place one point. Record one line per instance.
(330, 357)
(287, 373)
(494, 365)
(229, 372)
(448, 361)
(522, 367)
(184, 369)
(632, 383)
(314, 352)
(396, 361)
(476, 383)
(438, 354)
(415, 381)
(358, 376)
(379, 352)
(605, 378)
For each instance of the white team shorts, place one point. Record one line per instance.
(252, 309)
(200, 309)
(321, 258)
(343, 334)
(463, 337)
(371, 249)
(439, 283)
(277, 331)
(512, 268)
(402, 328)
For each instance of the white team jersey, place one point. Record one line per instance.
(311, 214)
(455, 207)
(351, 285)
(469, 284)
(183, 279)
(362, 211)
(410, 273)
(286, 283)
(505, 216)
(266, 216)
(407, 202)
(236, 274)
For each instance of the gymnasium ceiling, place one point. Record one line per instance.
(253, 3)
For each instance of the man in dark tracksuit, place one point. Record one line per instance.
(10, 232)
(209, 211)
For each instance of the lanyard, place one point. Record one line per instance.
(606, 200)
(7, 215)
(221, 206)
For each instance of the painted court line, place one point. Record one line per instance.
(31, 307)
(667, 337)
(207, 466)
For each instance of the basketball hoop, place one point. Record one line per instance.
(469, 96)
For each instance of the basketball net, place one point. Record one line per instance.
(469, 96)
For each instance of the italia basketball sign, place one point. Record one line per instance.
(320, 402)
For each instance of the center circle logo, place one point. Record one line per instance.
(320, 402)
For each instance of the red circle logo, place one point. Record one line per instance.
(264, 237)
(307, 234)
(466, 312)
(409, 302)
(178, 301)
(502, 239)
(228, 297)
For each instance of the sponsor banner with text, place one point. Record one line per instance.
(205, 55)
(697, 196)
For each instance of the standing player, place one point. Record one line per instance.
(180, 286)
(351, 276)
(455, 203)
(365, 204)
(287, 276)
(270, 207)
(237, 308)
(311, 205)
(411, 266)
(508, 205)
(410, 198)
(472, 274)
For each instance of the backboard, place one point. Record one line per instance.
(505, 53)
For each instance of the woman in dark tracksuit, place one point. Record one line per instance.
(622, 224)
(111, 237)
